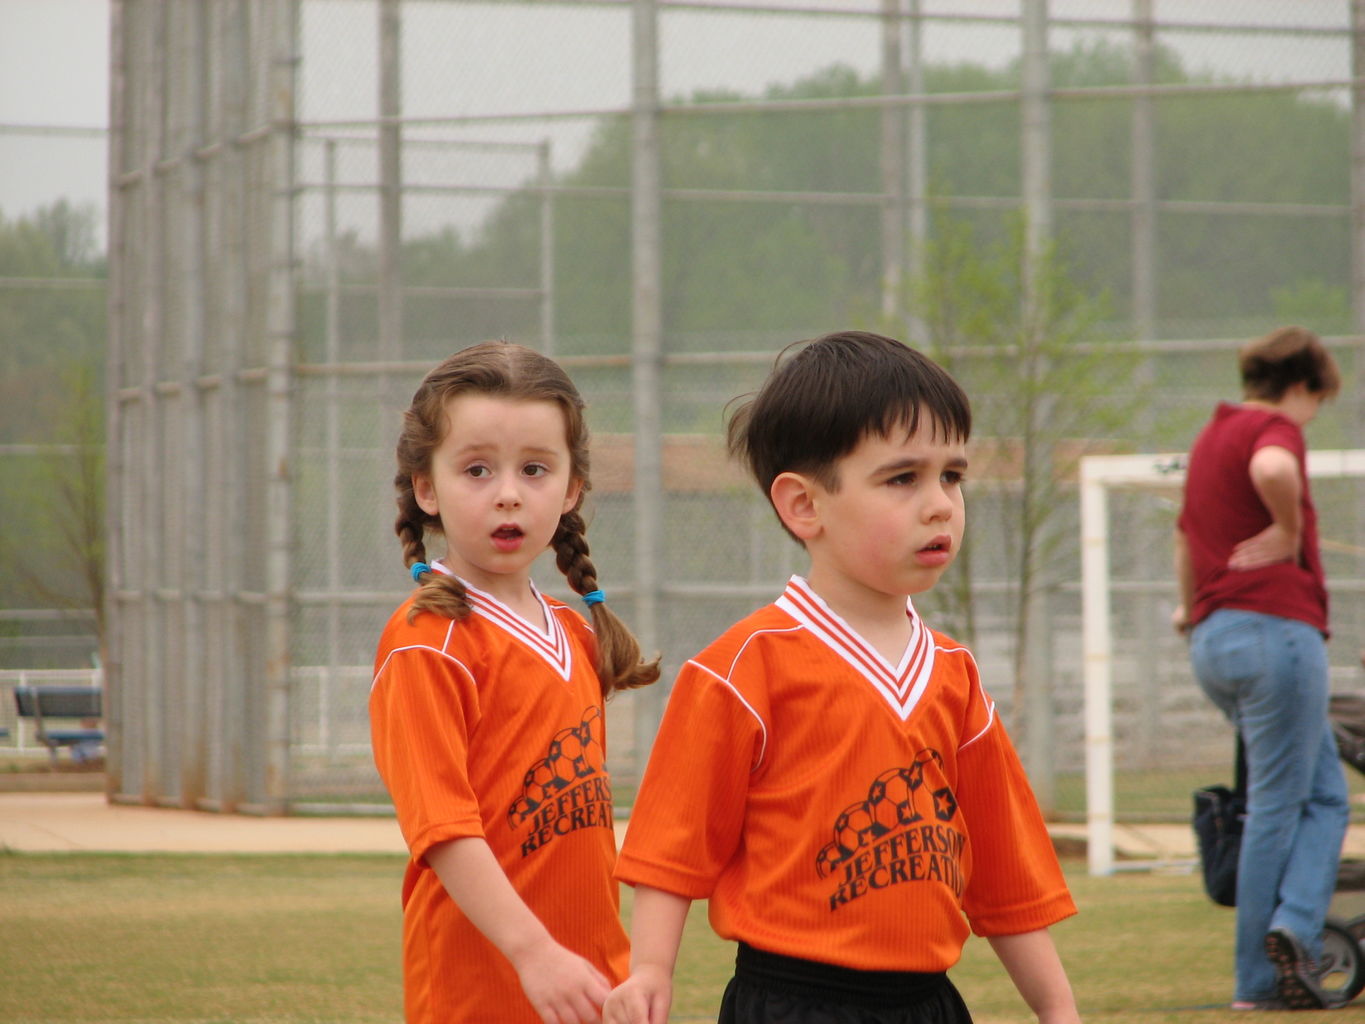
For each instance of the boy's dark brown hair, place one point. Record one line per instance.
(824, 396)
(514, 372)
(1272, 364)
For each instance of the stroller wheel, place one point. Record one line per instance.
(1341, 974)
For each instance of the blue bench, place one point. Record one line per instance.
(72, 707)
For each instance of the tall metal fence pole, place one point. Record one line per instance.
(150, 105)
(1035, 144)
(390, 179)
(116, 472)
(1036, 129)
(1142, 225)
(280, 328)
(916, 159)
(892, 165)
(545, 174)
(1358, 163)
(1143, 137)
(1355, 415)
(231, 694)
(190, 655)
(332, 348)
(646, 352)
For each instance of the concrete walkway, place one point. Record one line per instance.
(86, 821)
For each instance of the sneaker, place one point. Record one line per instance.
(1298, 986)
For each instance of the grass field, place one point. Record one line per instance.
(215, 939)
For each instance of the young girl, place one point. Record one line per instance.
(486, 709)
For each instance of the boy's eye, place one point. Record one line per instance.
(953, 477)
(901, 479)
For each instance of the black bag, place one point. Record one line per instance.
(1218, 816)
(1346, 712)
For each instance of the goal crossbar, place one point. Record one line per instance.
(1099, 474)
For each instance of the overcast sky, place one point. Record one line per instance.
(467, 58)
(54, 69)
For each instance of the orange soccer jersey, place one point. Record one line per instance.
(491, 727)
(837, 808)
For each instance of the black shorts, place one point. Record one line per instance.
(769, 988)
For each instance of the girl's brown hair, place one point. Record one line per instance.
(519, 373)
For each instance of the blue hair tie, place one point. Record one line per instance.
(593, 597)
(417, 569)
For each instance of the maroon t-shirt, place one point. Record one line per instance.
(1221, 509)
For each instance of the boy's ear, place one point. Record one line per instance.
(425, 493)
(793, 497)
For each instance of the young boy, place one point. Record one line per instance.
(830, 773)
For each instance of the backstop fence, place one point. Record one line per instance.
(313, 202)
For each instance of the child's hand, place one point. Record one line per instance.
(562, 986)
(643, 998)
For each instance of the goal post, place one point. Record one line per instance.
(1099, 475)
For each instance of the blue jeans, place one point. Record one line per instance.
(1269, 676)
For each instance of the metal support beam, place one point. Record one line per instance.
(892, 166)
(1143, 157)
(1036, 131)
(390, 178)
(646, 350)
(280, 330)
(545, 174)
(916, 158)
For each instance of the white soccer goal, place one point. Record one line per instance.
(1099, 474)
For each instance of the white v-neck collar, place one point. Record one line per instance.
(552, 643)
(900, 685)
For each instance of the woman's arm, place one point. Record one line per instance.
(1275, 474)
(1184, 574)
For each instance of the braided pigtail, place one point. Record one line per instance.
(440, 592)
(619, 664)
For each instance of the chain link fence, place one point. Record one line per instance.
(313, 203)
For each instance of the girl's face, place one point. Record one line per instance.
(499, 481)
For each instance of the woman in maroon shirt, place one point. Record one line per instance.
(1254, 604)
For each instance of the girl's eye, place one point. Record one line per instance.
(535, 469)
(478, 472)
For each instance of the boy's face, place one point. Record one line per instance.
(896, 521)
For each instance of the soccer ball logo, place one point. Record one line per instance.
(574, 753)
(855, 828)
(890, 804)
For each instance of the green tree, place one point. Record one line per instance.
(735, 268)
(52, 326)
(1021, 335)
(51, 314)
(55, 549)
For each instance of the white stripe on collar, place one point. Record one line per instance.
(552, 644)
(902, 685)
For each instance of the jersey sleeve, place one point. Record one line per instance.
(689, 812)
(423, 706)
(1280, 432)
(1016, 882)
